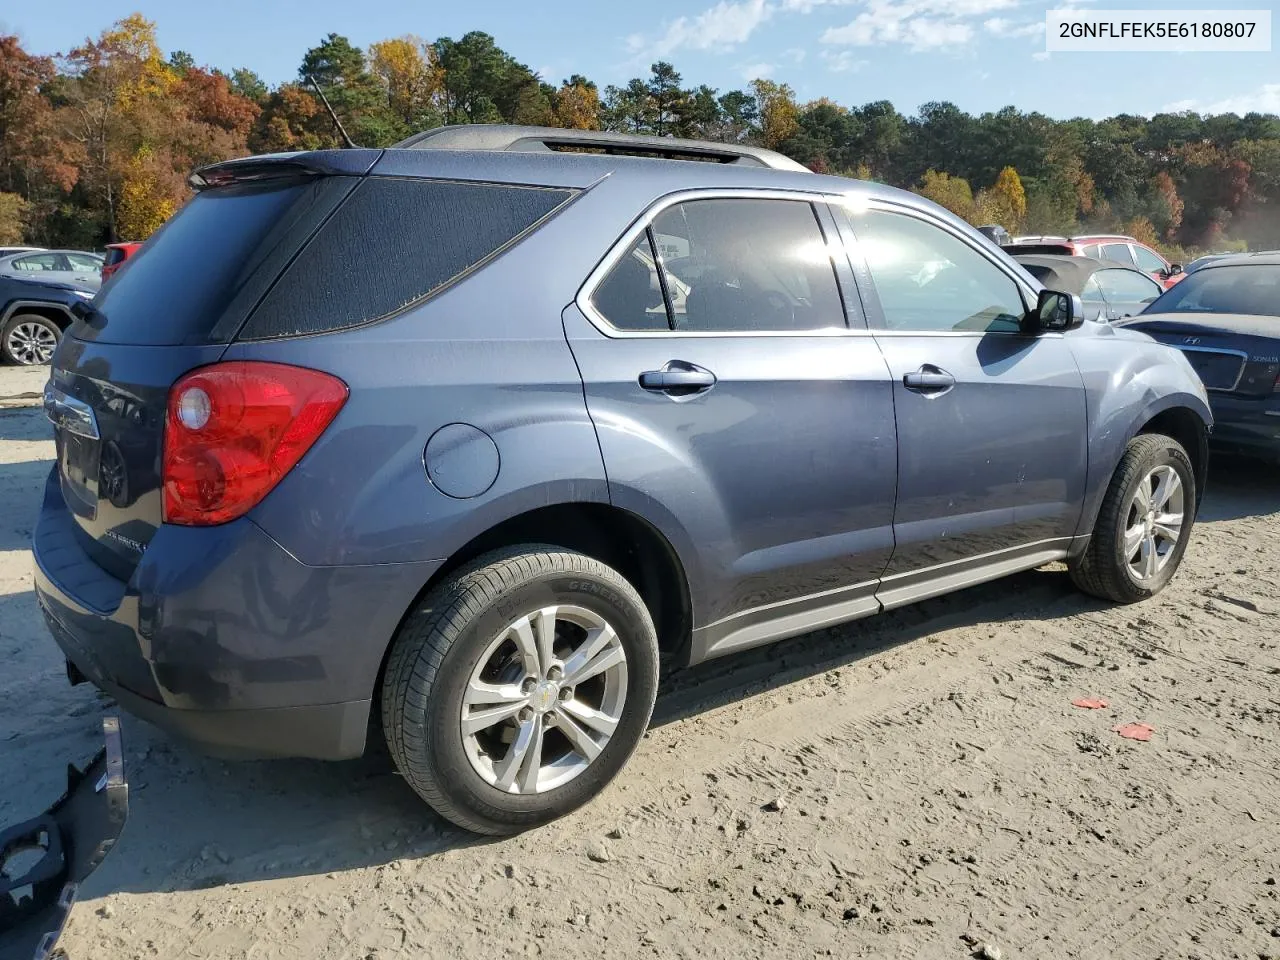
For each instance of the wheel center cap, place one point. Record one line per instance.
(544, 696)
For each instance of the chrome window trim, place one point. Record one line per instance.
(623, 244)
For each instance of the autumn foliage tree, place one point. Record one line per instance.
(96, 143)
(953, 193)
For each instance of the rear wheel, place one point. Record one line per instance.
(1144, 524)
(519, 688)
(29, 339)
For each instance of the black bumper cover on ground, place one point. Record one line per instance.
(73, 836)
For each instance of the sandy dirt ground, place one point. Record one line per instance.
(913, 786)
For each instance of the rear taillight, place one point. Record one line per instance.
(234, 429)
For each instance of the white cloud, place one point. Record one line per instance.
(843, 61)
(918, 24)
(723, 26)
(919, 33)
(758, 71)
(796, 54)
(1003, 27)
(1266, 99)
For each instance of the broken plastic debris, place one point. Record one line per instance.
(1135, 731)
(1090, 703)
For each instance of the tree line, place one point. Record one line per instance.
(96, 143)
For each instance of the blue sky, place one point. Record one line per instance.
(980, 54)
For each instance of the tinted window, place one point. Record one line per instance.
(1090, 250)
(393, 242)
(114, 256)
(630, 296)
(1251, 289)
(212, 261)
(1127, 285)
(929, 280)
(747, 266)
(1119, 252)
(1147, 260)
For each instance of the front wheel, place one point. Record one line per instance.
(29, 339)
(519, 688)
(1143, 525)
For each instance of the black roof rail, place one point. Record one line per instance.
(521, 139)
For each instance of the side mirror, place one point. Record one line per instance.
(1173, 268)
(1057, 312)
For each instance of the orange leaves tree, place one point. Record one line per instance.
(139, 124)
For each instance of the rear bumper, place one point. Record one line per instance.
(1250, 427)
(223, 638)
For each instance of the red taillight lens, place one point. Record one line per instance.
(234, 429)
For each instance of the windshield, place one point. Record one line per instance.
(1252, 289)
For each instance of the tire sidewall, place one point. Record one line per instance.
(454, 773)
(12, 324)
(1168, 455)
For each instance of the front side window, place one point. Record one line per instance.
(84, 261)
(930, 280)
(747, 266)
(1148, 261)
(1092, 293)
(1119, 252)
(1127, 285)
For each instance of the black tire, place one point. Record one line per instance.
(12, 351)
(1103, 569)
(441, 643)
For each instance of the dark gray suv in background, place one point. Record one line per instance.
(465, 436)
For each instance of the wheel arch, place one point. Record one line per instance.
(1185, 425)
(55, 312)
(619, 538)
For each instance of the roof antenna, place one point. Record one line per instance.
(346, 140)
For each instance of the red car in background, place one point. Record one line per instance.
(1104, 246)
(117, 254)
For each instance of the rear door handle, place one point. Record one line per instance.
(678, 379)
(929, 380)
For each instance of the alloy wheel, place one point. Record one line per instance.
(544, 699)
(32, 343)
(1154, 522)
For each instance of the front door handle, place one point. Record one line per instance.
(678, 379)
(929, 380)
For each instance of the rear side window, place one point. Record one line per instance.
(630, 296)
(212, 261)
(1119, 252)
(394, 242)
(114, 256)
(747, 266)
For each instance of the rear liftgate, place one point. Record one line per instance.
(70, 839)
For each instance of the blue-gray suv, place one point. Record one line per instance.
(463, 438)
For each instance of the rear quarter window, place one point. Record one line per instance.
(212, 262)
(393, 243)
